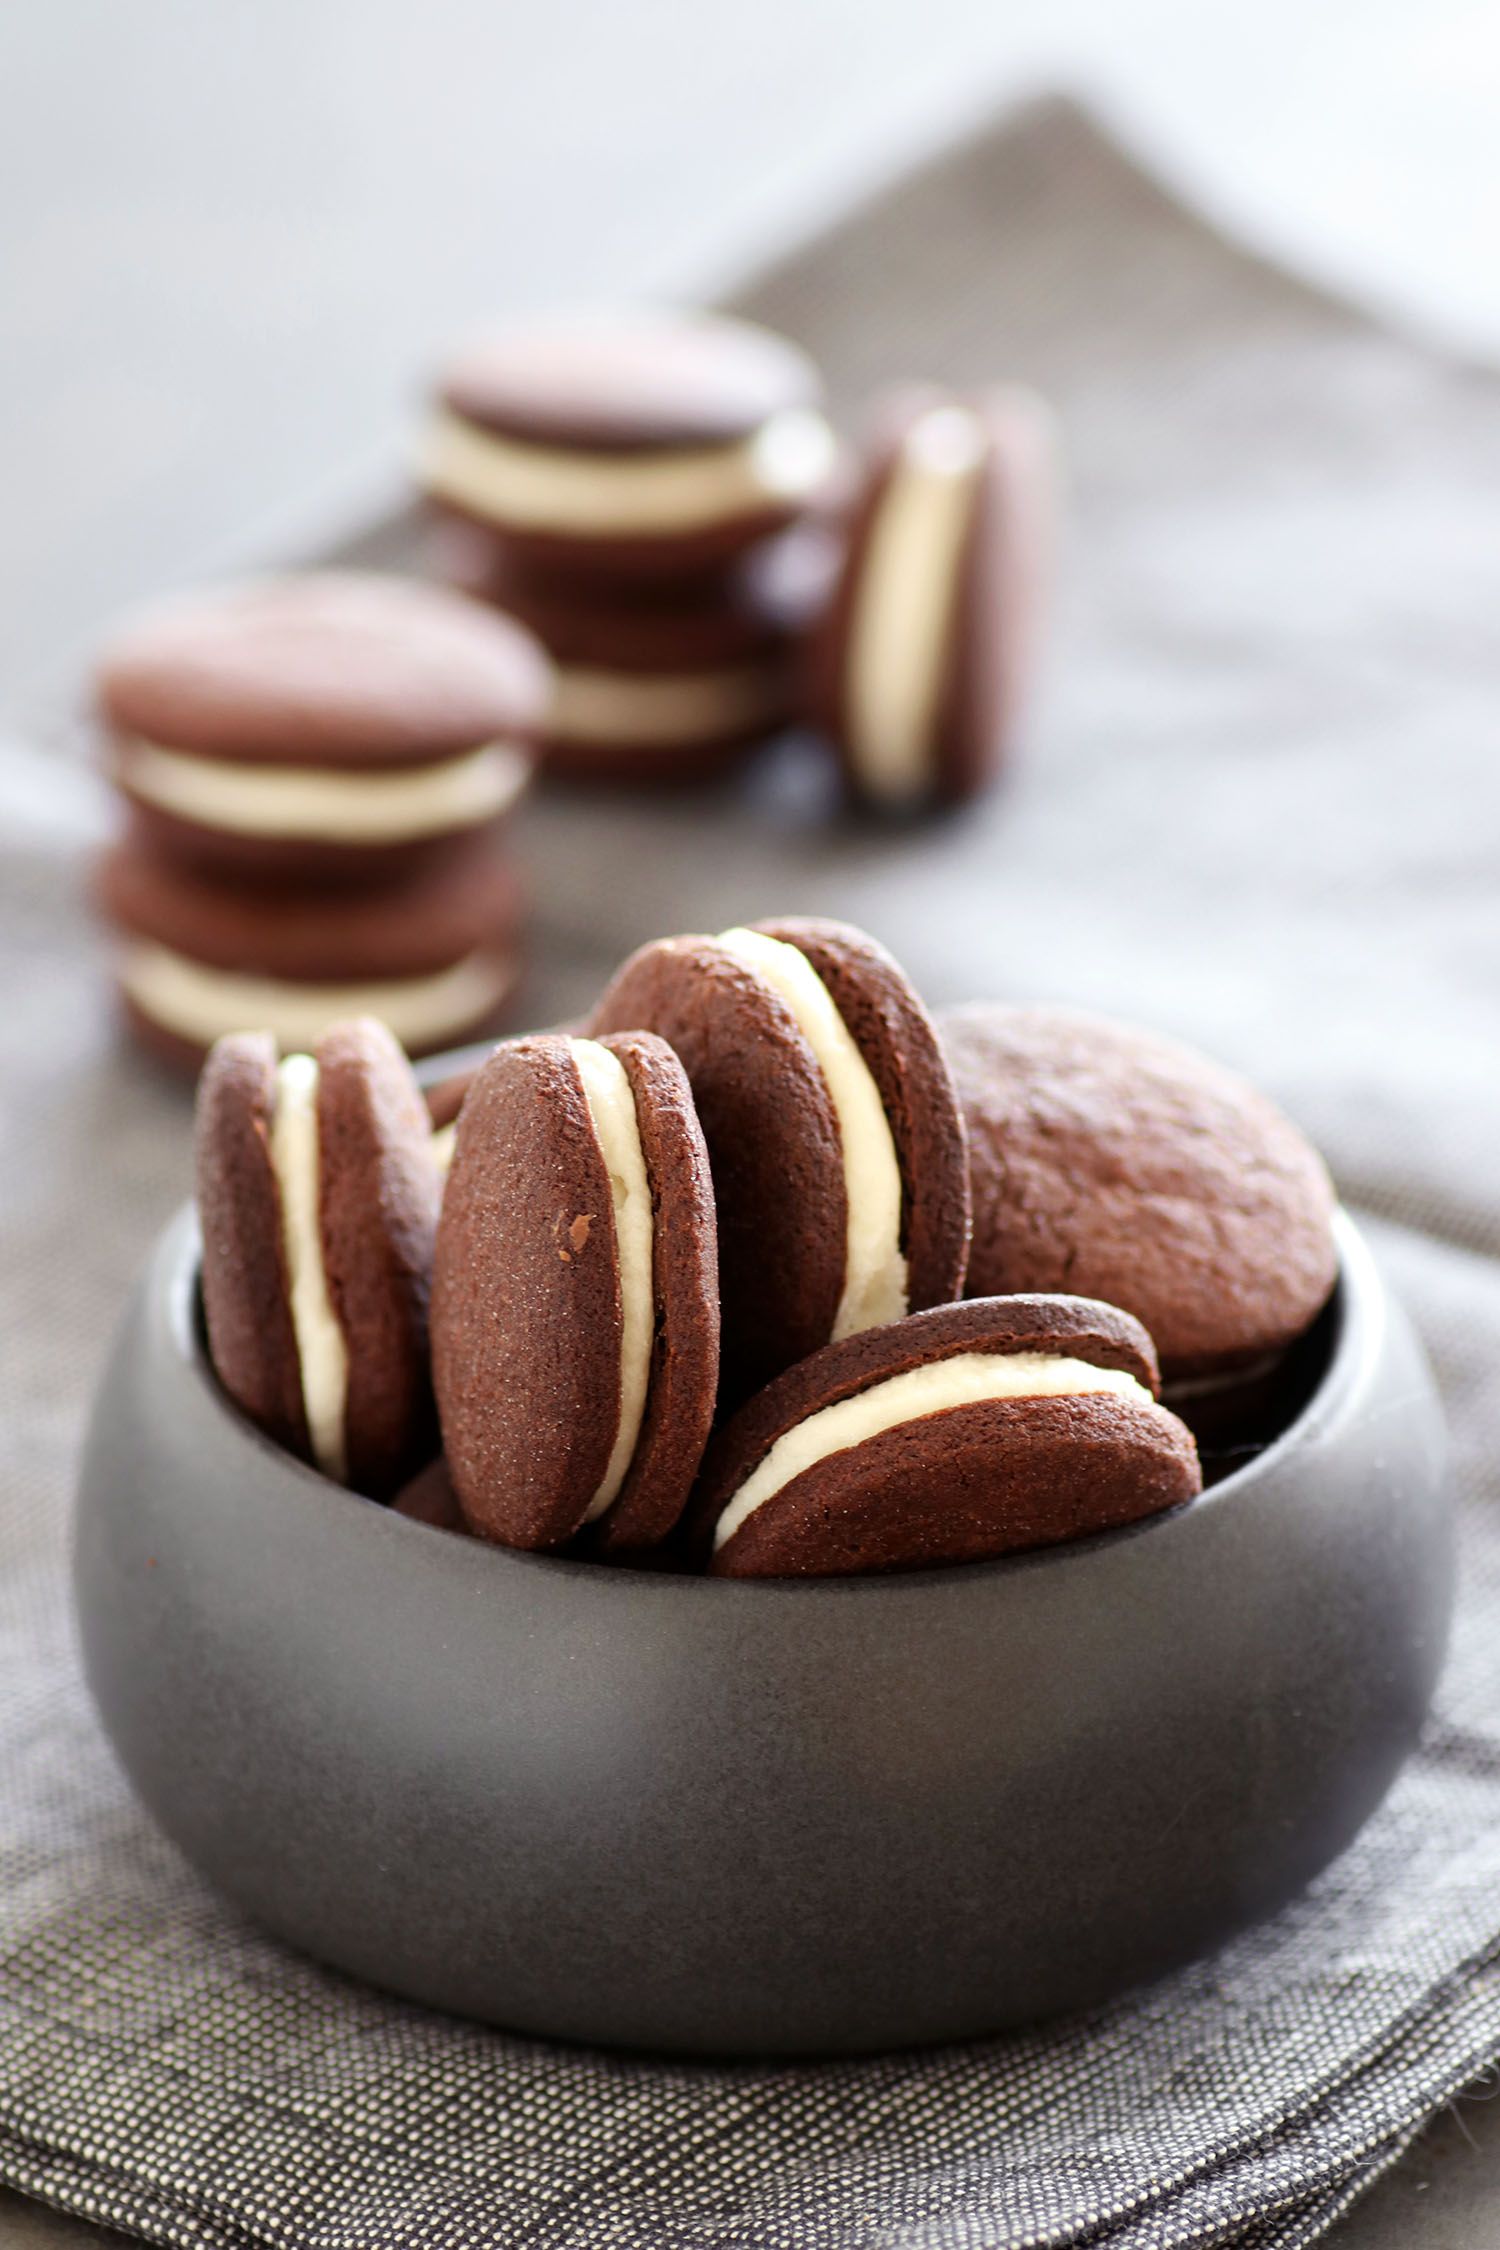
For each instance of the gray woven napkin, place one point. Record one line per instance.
(1261, 808)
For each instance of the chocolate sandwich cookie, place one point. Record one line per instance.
(832, 1124)
(632, 441)
(575, 1335)
(969, 1431)
(655, 682)
(318, 1199)
(920, 666)
(1119, 1163)
(325, 727)
(429, 1498)
(435, 955)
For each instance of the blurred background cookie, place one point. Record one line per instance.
(330, 726)
(920, 669)
(629, 441)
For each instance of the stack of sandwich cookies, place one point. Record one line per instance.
(434, 953)
(832, 1125)
(575, 1299)
(920, 668)
(318, 1203)
(1109, 1159)
(959, 1434)
(654, 683)
(320, 773)
(631, 487)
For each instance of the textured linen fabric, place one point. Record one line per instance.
(1261, 808)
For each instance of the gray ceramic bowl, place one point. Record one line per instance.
(720, 1817)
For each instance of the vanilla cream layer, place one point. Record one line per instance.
(611, 1103)
(968, 1379)
(322, 1353)
(619, 495)
(624, 708)
(317, 805)
(903, 610)
(875, 1276)
(200, 1004)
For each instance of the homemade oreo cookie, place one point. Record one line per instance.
(318, 1198)
(1119, 1163)
(435, 954)
(921, 664)
(832, 1125)
(655, 683)
(575, 1334)
(966, 1432)
(330, 726)
(629, 441)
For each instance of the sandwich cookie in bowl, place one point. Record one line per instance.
(317, 1198)
(435, 954)
(965, 1432)
(334, 726)
(921, 664)
(629, 441)
(575, 1335)
(832, 1125)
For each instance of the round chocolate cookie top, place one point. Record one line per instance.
(326, 669)
(1108, 1159)
(920, 664)
(626, 382)
(421, 922)
(832, 1126)
(575, 1303)
(963, 1432)
(318, 1200)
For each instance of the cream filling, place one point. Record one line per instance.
(322, 1353)
(904, 605)
(616, 1127)
(442, 1146)
(875, 1277)
(968, 1379)
(314, 804)
(616, 495)
(622, 707)
(200, 1004)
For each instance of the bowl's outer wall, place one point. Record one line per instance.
(727, 1817)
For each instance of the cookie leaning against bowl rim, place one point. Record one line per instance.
(1109, 1158)
(653, 683)
(328, 725)
(629, 441)
(832, 1124)
(963, 1433)
(317, 1199)
(436, 955)
(921, 664)
(575, 1334)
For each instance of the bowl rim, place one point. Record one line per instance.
(1356, 1311)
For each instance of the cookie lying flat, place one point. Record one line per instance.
(832, 1125)
(575, 1335)
(328, 726)
(1130, 1167)
(317, 1197)
(436, 955)
(655, 683)
(921, 665)
(969, 1431)
(629, 441)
